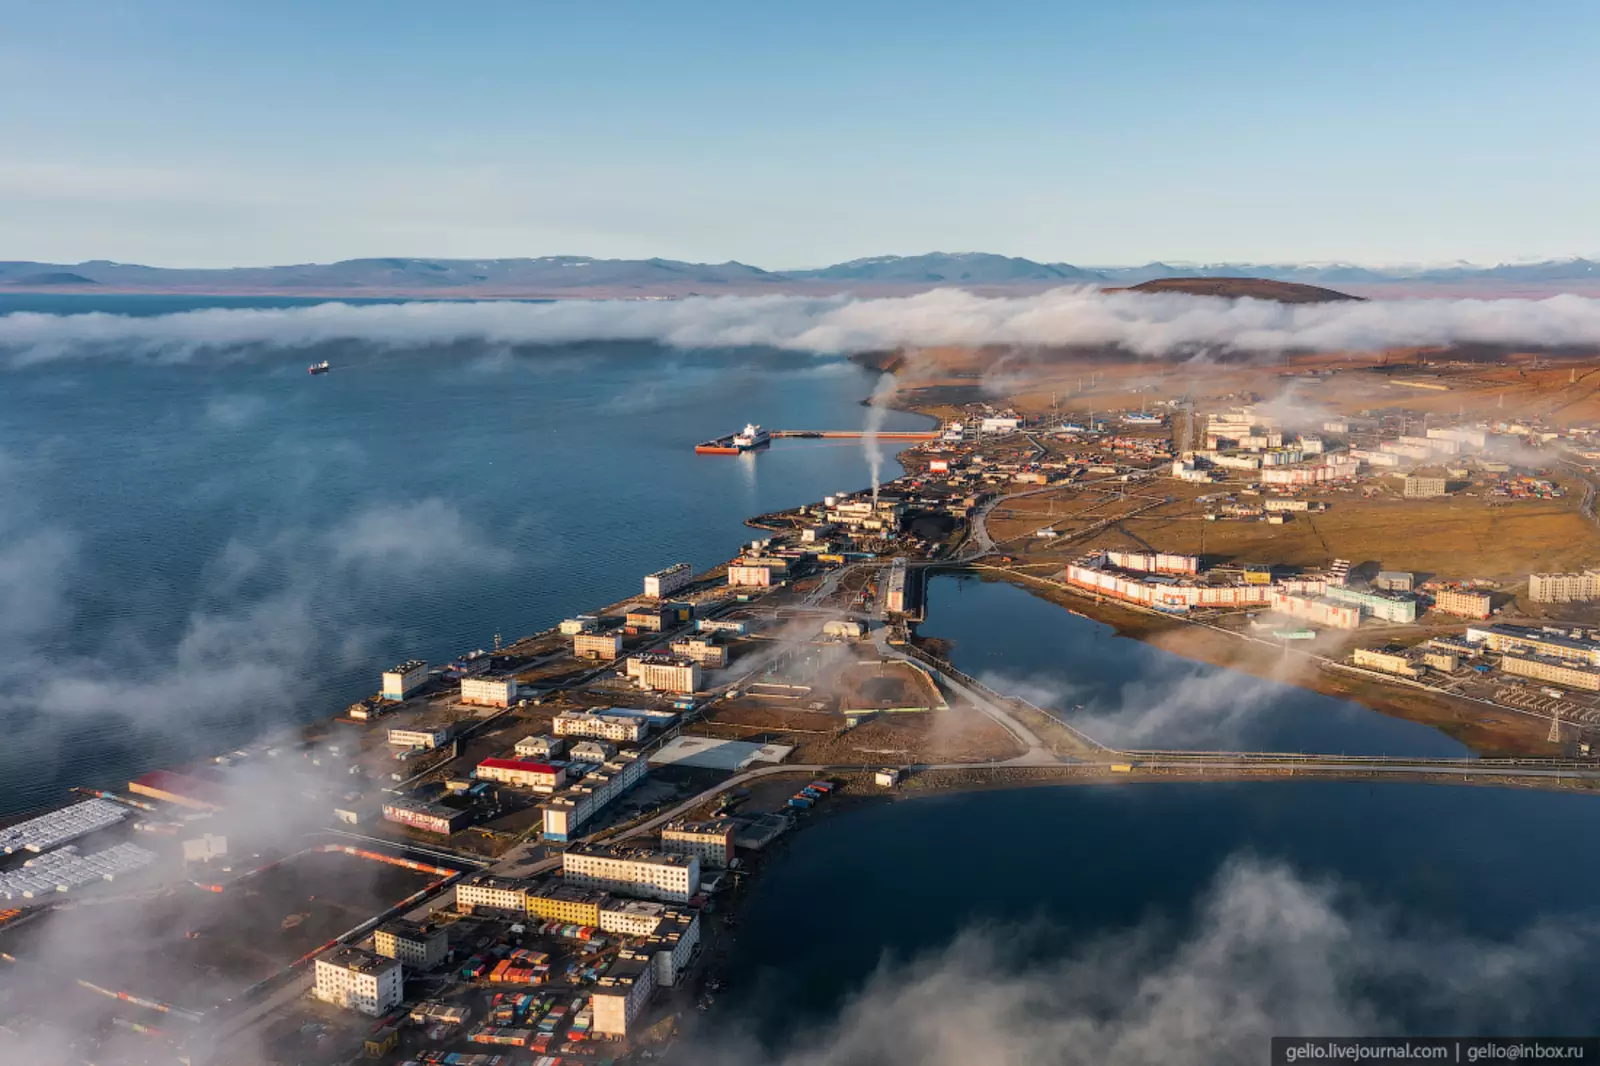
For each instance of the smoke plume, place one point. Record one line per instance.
(1146, 324)
(874, 422)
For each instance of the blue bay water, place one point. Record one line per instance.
(233, 512)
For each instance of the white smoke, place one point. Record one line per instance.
(869, 434)
(1147, 324)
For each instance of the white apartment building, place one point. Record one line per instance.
(666, 582)
(404, 679)
(540, 747)
(710, 842)
(631, 917)
(708, 653)
(489, 691)
(666, 673)
(1564, 588)
(633, 871)
(419, 946)
(620, 996)
(567, 812)
(493, 894)
(743, 576)
(673, 944)
(617, 727)
(359, 980)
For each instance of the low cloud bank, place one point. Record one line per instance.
(1270, 954)
(1165, 325)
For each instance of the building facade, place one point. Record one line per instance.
(567, 903)
(710, 842)
(401, 681)
(489, 691)
(1321, 610)
(665, 673)
(1550, 643)
(572, 807)
(703, 650)
(596, 645)
(620, 996)
(1423, 488)
(1376, 604)
(673, 944)
(540, 747)
(420, 736)
(1564, 588)
(632, 871)
(419, 814)
(495, 894)
(666, 582)
(420, 946)
(1387, 662)
(523, 773)
(602, 726)
(1543, 668)
(359, 980)
(1464, 603)
(741, 575)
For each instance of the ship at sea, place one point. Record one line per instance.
(319, 368)
(751, 438)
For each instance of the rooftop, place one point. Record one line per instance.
(357, 960)
(627, 854)
(522, 765)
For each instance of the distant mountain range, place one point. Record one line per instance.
(573, 275)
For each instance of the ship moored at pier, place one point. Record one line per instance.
(747, 440)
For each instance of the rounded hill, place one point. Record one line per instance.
(1288, 292)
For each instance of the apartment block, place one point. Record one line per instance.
(359, 980)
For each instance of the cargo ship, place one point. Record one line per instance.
(319, 368)
(752, 437)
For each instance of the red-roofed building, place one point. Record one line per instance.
(179, 789)
(539, 776)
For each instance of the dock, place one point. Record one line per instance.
(848, 434)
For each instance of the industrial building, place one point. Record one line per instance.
(1376, 604)
(180, 790)
(656, 618)
(540, 747)
(416, 944)
(1545, 668)
(1418, 487)
(583, 623)
(1549, 642)
(61, 826)
(719, 625)
(421, 735)
(401, 681)
(665, 673)
(359, 980)
(495, 894)
(666, 582)
(633, 871)
(620, 996)
(420, 814)
(596, 645)
(1463, 602)
(703, 650)
(597, 723)
(570, 809)
(1564, 588)
(710, 842)
(1387, 662)
(894, 595)
(489, 691)
(539, 776)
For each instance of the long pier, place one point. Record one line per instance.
(853, 434)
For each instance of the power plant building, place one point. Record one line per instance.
(489, 691)
(401, 681)
(894, 597)
(358, 980)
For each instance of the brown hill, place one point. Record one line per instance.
(1287, 292)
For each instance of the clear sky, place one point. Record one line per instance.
(212, 133)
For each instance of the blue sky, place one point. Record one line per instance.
(214, 133)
